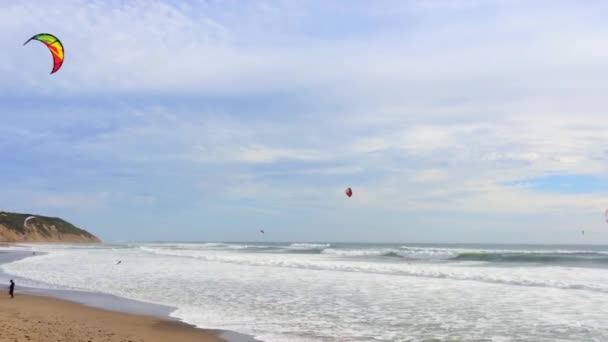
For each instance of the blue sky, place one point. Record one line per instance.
(453, 121)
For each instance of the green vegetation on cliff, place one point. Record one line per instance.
(42, 227)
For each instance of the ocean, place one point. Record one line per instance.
(281, 292)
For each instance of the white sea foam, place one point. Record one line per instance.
(12, 248)
(319, 246)
(335, 296)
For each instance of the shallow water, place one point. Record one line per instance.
(349, 292)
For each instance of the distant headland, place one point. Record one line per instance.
(16, 227)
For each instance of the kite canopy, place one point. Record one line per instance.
(348, 192)
(54, 45)
(27, 219)
(262, 231)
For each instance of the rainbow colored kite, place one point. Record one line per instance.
(54, 46)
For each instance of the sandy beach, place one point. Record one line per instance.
(34, 318)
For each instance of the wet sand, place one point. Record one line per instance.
(29, 318)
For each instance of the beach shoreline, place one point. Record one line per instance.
(38, 318)
(81, 308)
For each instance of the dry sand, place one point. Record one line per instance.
(29, 318)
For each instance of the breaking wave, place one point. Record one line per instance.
(404, 253)
(232, 285)
(439, 271)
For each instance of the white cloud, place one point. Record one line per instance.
(430, 175)
(143, 46)
(264, 154)
(414, 114)
(370, 144)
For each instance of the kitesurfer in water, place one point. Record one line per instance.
(11, 289)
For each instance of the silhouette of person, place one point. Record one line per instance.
(11, 289)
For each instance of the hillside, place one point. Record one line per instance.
(13, 228)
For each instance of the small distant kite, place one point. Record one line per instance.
(27, 219)
(54, 45)
(262, 231)
(583, 232)
(119, 262)
(348, 192)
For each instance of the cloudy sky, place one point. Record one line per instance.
(452, 120)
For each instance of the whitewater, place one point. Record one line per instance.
(347, 292)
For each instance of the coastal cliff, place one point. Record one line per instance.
(14, 228)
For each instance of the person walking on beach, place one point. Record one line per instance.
(11, 289)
